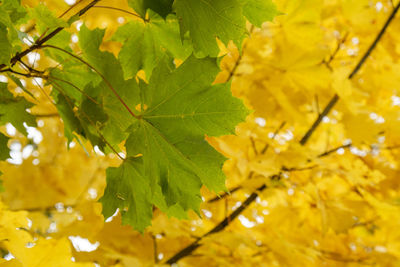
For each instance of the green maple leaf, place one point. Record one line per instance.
(5, 46)
(65, 108)
(45, 19)
(180, 107)
(13, 110)
(15, 10)
(162, 7)
(207, 19)
(145, 43)
(259, 11)
(4, 150)
(109, 114)
(128, 190)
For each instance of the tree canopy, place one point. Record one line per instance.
(213, 132)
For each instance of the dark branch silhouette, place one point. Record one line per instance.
(222, 225)
(360, 63)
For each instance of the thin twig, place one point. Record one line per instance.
(155, 249)
(318, 121)
(333, 150)
(273, 136)
(336, 97)
(122, 10)
(239, 59)
(219, 227)
(75, 87)
(250, 175)
(70, 8)
(224, 195)
(336, 51)
(39, 43)
(50, 115)
(99, 73)
(59, 89)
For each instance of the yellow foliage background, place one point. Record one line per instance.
(331, 202)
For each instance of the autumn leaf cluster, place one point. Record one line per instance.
(311, 170)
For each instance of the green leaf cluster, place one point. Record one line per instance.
(161, 119)
(206, 20)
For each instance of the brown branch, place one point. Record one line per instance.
(318, 121)
(336, 97)
(224, 195)
(40, 42)
(50, 115)
(70, 8)
(239, 59)
(336, 51)
(155, 249)
(27, 75)
(391, 147)
(294, 169)
(219, 227)
(333, 150)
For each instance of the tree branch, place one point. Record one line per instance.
(336, 97)
(41, 41)
(318, 121)
(333, 150)
(219, 227)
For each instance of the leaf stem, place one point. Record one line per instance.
(75, 87)
(99, 73)
(59, 89)
(122, 10)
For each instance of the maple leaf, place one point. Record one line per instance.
(129, 190)
(162, 7)
(170, 135)
(45, 19)
(207, 19)
(259, 11)
(13, 110)
(4, 151)
(5, 46)
(151, 41)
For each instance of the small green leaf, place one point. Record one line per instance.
(65, 109)
(259, 11)
(15, 10)
(128, 190)
(161, 7)
(5, 46)
(13, 110)
(45, 19)
(4, 150)
(145, 43)
(20, 85)
(207, 19)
